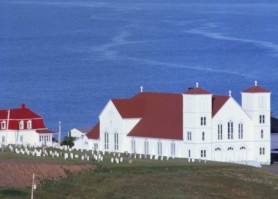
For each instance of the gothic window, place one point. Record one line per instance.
(240, 131)
(230, 130)
(220, 132)
(116, 141)
(106, 140)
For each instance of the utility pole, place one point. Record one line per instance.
(32, 189)
(59, 135)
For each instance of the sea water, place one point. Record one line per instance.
(66, 58)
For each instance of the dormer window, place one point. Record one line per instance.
(29, 124)
(21, 124)
(3, 125)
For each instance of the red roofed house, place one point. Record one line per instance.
(23, 126)
(195, 125)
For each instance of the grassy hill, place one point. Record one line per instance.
(144, 178)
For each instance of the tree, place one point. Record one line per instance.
(69, 141)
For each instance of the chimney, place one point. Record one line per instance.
(23, 106)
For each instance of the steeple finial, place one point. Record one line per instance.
(230, 93)
(256, 83)
(197, 84)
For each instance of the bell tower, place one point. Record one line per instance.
(256, 102)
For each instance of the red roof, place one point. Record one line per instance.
(197, 91)
(94, 132)
(14, 116)
(255, 89)
(161, 114)
(217, 103)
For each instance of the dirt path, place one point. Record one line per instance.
(18, 173)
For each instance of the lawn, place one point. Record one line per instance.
(144, 178)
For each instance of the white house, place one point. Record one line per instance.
(195, 124)
(78, 132)
(24, 127)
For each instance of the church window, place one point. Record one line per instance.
(173, 149)
(262, 150)
(159, 148)
(218, 149)
(230, 130)
(189, 153)
(203, 153)
(240, 131)
(262, 134)
(189, 135)
(203, 136)
(146, 147)
(106, 140)
(220, 132)
(116, 141)
(133, 146)
(262, 119)
(203, 121)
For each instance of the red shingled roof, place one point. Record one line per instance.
(217, 103)
(94, 132)
(255, 89)
(13, 116)
(161, 114)
(197, 91)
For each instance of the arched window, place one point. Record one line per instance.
(240, 131)
(116, 141)
(262, 119)
(203, 153)
(262, 134)
(230, 130)
(106, 140)
(220, 132)
(230, 148)
(217, 149)
(203, 136)
(242, 148)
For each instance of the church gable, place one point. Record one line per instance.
(231, 110)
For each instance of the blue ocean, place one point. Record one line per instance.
(66, 58)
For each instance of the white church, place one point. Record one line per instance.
(195, 124)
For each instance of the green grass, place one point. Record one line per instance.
(156, 179)
(167, 179)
